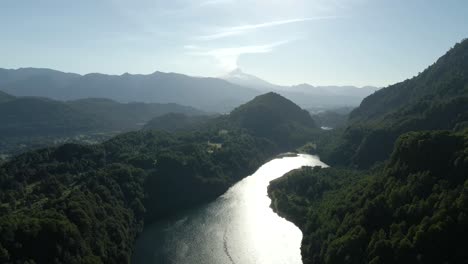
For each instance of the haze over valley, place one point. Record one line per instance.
(209, 94)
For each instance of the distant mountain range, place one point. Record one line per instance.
(208, 94)
(305, 95)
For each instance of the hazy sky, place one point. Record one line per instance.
(321, 42)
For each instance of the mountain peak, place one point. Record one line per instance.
(236, 71)
(270, 108)
(237, 76)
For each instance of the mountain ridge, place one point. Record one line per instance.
(40, 116)
(396, 191)
(157, 87)
(437, 98)
(276, 118)
(206, 93)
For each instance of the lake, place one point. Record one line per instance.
(238, 227)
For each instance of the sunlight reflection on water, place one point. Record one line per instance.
(238, 227)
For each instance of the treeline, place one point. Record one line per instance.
(412, 209)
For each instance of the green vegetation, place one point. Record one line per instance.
(398, 190)
(436, 99)
(130, 116)
(33, 122)
(413, 209)
(34, 116)
(174, 122)
(276, 118)
(330, 119)
(12, 146)
(87, 203)
(31, 116)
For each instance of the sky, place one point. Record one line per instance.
(320, 42)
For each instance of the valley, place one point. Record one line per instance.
(168, 167)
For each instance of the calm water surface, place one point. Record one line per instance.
(238, 227)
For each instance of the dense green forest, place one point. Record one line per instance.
(413, 209)
(398, 189)
(33, 122)
(128, 116)
(435, 99)
(32, 116)
(276, 118)
(330, 118)
(87, 203)
(173, 122)
(35, 116)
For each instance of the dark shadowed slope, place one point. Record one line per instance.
(274, 117)
(4, 97)
(435, 99)
(269, 110)
(412, 210)
(125, 116)
(411, 206)
(173, 122)
(36, 116)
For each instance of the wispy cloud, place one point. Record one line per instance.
(214, 2)
(239, 30)
(228, 57)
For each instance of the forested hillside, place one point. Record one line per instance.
(330, 119)
(276, 118)
(33, 116)
(34, 122)
(4, 97)
(435, 99)
(413, 209)
(173, 122)
(86, 204)
(129, 116)
(398, 192)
